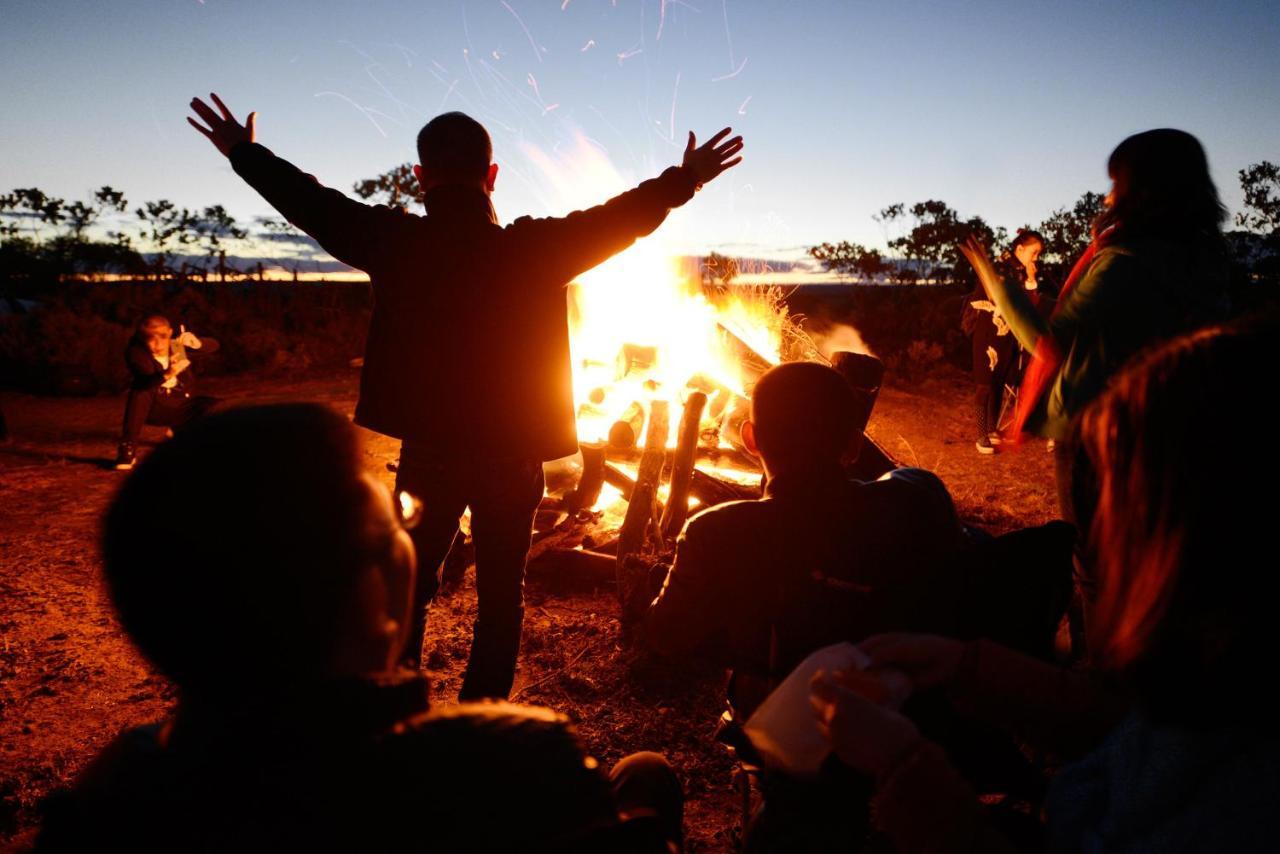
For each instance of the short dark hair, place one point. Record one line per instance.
(1184, 604)
(231, 550)
(804, 414)
(454, 145)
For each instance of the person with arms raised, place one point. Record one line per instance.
(467, 359)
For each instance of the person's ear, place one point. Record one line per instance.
(420, 176)
(749, 438)
(491, 178)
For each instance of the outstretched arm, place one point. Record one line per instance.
(348, 230)
(587, 238)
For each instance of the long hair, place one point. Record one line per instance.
(1162, 188)
(1008, 256)
(1184, 545)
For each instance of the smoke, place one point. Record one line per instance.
(839, 338)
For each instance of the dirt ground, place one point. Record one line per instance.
(69, 680)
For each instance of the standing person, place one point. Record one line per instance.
(1157, 267)
(161, 386)
(468, 354)
(995, 349)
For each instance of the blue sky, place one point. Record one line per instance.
(1006, 110)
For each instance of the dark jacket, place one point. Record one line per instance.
(145, 373)
(979, 322)
(468, 348)
(818, 560)
(350, 766)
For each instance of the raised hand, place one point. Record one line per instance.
(708, 160)
(976, 253)
(223, 130)
(188, 339)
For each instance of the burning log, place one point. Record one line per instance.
(751, 359)
(625, 432)
(711, 490)
(682, 466)
(619, 480)
(655, 444)
(587, 493)
(632, 584)
(642, 510)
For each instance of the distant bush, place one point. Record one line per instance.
(69, 337)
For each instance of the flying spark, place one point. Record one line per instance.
(742, 110)
(533, 44)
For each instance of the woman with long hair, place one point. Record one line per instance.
(995, 349)
(1157, 267)
(1171, 741)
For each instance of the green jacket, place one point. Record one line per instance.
(1133, 295)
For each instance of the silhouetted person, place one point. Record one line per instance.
(468, 352)
(161, 384)
(1184, 756)
(821, 558)
(255, 565)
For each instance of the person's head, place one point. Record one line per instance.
(1184, 530)
(454, 148)
(803, 417)
(251, 549)
(1161, 187)
(156, 332)
(1025, 249)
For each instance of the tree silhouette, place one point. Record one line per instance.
(396, 187)
(1261, 185)
(851, 259)
(933, 241)
(162, 224)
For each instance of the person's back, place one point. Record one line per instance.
(821, 558)
(468, 353)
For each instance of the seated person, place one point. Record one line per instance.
(820, 559)
(161, 386)
(279, 620)
(1170, 743)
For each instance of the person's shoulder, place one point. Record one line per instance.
(729, 517)
(906, 488)
(907, 478)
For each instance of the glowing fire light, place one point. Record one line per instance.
(641, 328)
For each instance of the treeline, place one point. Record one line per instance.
(926, 249)
(45, 237)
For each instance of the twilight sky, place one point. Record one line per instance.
(1006, 110)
